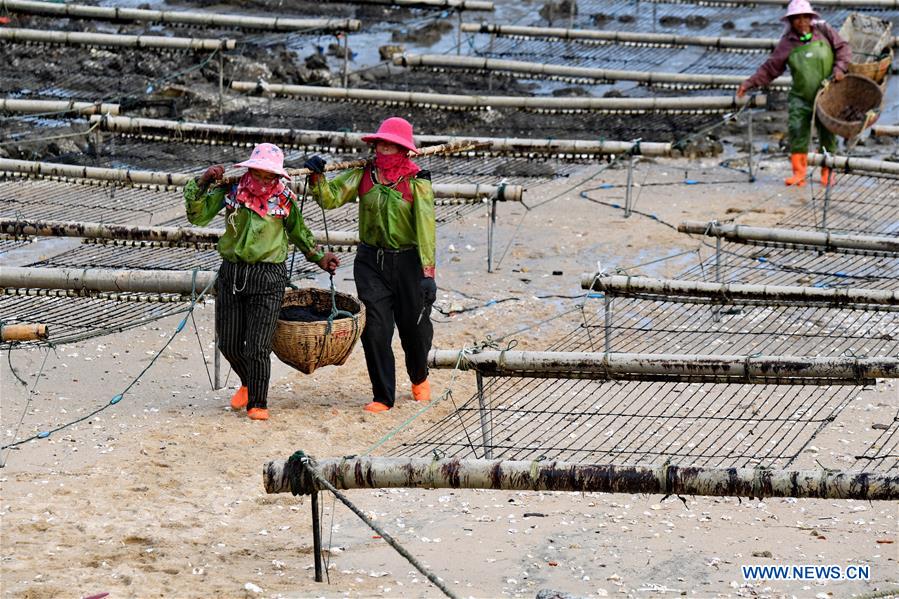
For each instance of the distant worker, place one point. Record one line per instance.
(814, 51)
(394, 266)
(261, 215)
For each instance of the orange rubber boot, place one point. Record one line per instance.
(258, 413)
(422, 392)
(826, 175)
(375, 407)
(240, 399)
(800, 167)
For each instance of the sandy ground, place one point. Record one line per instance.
(161, 495)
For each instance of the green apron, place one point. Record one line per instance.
(810, 64)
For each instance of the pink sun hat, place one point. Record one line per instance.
(395, 130)
(798, 7)
(268, 158)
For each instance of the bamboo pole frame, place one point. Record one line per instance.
(820, 240)
(23, 332)
(885, 130)
(184, 282)
(474, 63)
(467, 102)
(448, 192)
(731, 293)
(177, 17)
(56, 106)
(173, 235)
(847, 164)
(622, 37)
(457, 5)
(820, 3)
(551, 475)
(158, 128)
(789, 370)
(73, 38)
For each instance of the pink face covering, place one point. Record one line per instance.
(255, 194)
(392, 167)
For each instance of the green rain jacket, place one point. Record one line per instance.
(248, 237)
(386, 219)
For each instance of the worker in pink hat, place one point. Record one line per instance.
(395, 263)
(261, 216)
(813, 51)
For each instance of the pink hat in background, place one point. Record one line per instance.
(798, 7)
(396, 131)
(268, 158)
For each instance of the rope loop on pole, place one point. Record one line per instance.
(302, 481)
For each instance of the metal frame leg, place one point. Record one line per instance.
(751, 150)
(630, 185)
(345, 77)
(826, 192)
(486, 433)
(316, 538)
(221, 85)
(607, 313)
(491, 226)
(458, 32)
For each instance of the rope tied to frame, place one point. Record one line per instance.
(302, 481)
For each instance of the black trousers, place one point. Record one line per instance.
(248, 300)
(389, 284)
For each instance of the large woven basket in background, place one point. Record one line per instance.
(308, 345)
(856, 93)
(876, 70)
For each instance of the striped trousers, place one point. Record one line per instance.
(248, 300)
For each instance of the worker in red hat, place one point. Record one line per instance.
(261, 216)
(813, 51)
(394, 266)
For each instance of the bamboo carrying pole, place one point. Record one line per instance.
(625, 37)
(848, 164)
(681, 367)
(180, 17)
(824, 240)
(56, 106)
(535, 68)
(551, 475)
(47, 228)
(342, 139)
(660, 104)
(184, 282)
(885, 130)
(105, 39)
(511, 193)
(730, 293)
(23, 332)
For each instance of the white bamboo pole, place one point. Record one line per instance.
(49, 228)
(342, 139)
(450, 101)
(552, 475)
(622, 37)
(444, 61)
(96, 279)
(106, 39)
(734, 292)
(474, 5)
(180, 17)
(885, 130)
(818, 3)
(56, 106)
(826, 239)
(848, 164)
(511, 193)
(602, 366)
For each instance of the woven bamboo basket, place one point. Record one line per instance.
(846, 107)
(309, 345)
(877, 70)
